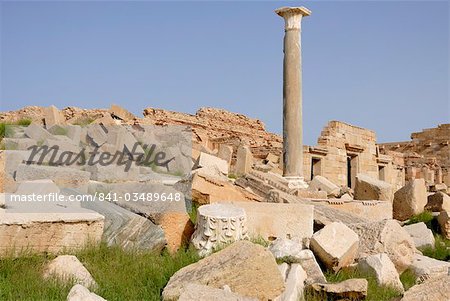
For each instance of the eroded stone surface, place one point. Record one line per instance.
(368, 188)
(336, 245)
(421, 235)
(410, 199)
(68, 267)
(381, 266)
(248, 269)
(386, 237)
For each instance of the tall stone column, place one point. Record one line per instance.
(292, 96)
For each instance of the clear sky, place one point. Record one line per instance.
(379, 65)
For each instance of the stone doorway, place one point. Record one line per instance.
(352, 170)
(316, 167)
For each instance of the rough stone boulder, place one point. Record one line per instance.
(68, 267)
(284, 248)
(336, 245)
(195, 292)
(320, 183)
(368, 188)
(421, 235)
(444, 223)
(438, 202)
(410, 199)
(248, 269)
(386, 237)
(61, 176)
(53, 116)
(434, 289)
(127, 229)
(80, 293)
(213, 163)
(121, 113)
(351, 289)
(425, 267)
(382, 268)
(295, 284)
(207, 189)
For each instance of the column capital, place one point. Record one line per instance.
(292, 16)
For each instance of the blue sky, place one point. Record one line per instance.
(379, 65)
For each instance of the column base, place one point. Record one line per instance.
(295, 182)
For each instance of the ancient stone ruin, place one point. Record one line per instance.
(347, 204)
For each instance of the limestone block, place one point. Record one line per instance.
(67, 268)
(63, 143)
(336, 245)
(421, 235)
(244, 160)
(351, 289)
(113, 173)
(80, 293)
(106, 120)
(382, 268)
(284, 268)
(61, 176)
(97, 134)
(272, 158)
(124, 141)
(368, 188)
(207, 189)
(248, 269)
(432, 289)
(53, 116)
(13, 158)
(212, 163)
(295, 283)
(425, 267)
(370, 210)
(171, 215)
(196, 292)
(225, 152)
(320, 183)
(49, 232)
(385, 237)
(218, 225)
(38, 187)
(285, 248)
(272, 220)
(438, 202)
(410, 199)
(127, 229)
(121, 113)
(37, 132)
(444, 223)
(18, 143)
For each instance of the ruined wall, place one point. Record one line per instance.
(426, 156)
(344, 150)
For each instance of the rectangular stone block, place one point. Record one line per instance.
(274, 220)
(48, 232)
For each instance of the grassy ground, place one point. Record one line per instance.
(441, 250)
(121, 275)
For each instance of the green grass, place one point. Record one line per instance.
(121, 275)
(426, 217)
(20, 279)
(84, 121)
(408, 279)
(441, 250)
(374, 292)
(6, 129)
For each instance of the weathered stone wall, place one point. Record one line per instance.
(426, 156)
